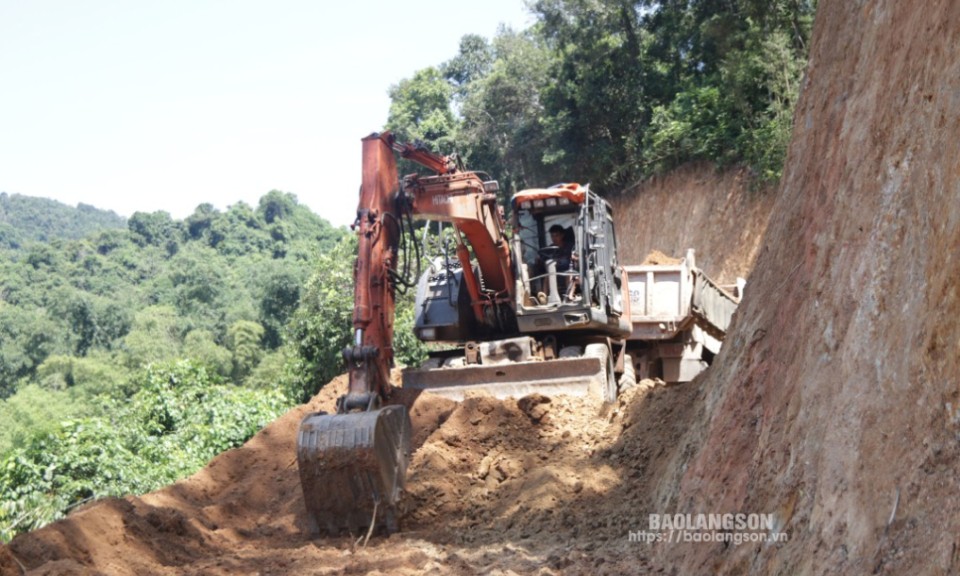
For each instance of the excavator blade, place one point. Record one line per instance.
(352, 468)
(568, 376)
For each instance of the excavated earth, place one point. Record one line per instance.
(543, 485)
(833, 409)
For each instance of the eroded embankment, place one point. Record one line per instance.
(721, 215)
(835, 402)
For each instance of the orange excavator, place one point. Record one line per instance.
(526, 312)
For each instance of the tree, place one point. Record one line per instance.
(321, 327)
(94, 321)
(201, 347)
(243, 340)
(154, 229)
(40, 256)
(472, 63)
(239, 232)
(596, 106)
(281, 295)
(27, 338)
(154, 336)
(420, 111)
(201, 220)
(502, 130)
(276, 205)
(200, 288)
(763, 79)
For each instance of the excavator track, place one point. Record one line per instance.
(352, 469)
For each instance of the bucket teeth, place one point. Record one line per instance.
(353, 467)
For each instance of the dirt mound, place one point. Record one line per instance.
(658, 258)
(213, 522)
(541, 484)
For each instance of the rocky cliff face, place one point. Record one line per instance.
(835, 404)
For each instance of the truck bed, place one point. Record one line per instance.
(666, 299)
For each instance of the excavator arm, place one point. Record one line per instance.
(353, 463)
(463, 199)
(451, 195)
(378, 232)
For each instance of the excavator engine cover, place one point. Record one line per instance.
(353, 467)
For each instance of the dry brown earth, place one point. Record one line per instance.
(718, 214)
(547, 486)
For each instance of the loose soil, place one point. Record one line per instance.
(540, 485)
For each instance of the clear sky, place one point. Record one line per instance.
(161, 105)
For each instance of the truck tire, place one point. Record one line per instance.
(571, 352)
(602, 352)
(629, 377)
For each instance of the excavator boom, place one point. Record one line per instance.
(353, 463)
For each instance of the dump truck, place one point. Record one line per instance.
(679, 318)
(537, 304)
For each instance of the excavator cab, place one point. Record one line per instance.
(566, 306)
(566, 252)
(550, 257)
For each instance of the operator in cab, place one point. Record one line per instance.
(562, 238)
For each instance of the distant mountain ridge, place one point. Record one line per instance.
(26, 219)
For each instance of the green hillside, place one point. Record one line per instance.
(25, 219)
(146, 291)
(132, 355)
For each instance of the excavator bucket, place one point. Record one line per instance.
(352, 468)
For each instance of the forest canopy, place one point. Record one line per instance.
(611, 91)
(133, 354)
